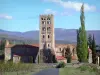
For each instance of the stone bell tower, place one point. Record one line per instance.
(46, 33)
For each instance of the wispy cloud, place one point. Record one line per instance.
(50, 11)
(65, 13)
(73, 5)
(5, 16)
(56, 13)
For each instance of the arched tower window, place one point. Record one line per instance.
(48, 22)
(43, 28)
(48, 36)
(43, 36)
(43, 22)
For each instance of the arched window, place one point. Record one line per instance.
(43, 28)
(48, 22)
(43, 22)
(48, 36)
(43, 36)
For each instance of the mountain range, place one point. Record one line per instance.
(61, 35)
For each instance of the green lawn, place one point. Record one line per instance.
(22, 69)
(74, 71)
(17, 73)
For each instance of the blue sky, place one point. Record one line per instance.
(23, 15)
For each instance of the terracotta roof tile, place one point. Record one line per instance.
(60, 58)
(37, 45)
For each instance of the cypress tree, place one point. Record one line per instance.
(93, 51)
(90, 41)
(78, 48)
(82, 39)
(83, 36)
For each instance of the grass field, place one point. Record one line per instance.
(30, 69)
(74, 71)
(22, 69)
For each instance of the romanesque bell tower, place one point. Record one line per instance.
(46, 33)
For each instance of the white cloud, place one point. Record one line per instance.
(73, 5)
(64, 13)
(5, 16)
(50, 11)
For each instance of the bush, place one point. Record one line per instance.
(89, 67)
(69, 59)
(84, 68)
(61, 65)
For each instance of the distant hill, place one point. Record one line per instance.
(61, 35)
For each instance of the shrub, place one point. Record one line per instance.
(89, 67)
(69, 59)
(61, 65)
(84, 68)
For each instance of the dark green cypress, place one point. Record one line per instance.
(82, 46)
(78, 48)
(93, 51)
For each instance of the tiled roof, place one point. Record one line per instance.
(37, 45)
(63, 45)
(12, 45)
(60, 58)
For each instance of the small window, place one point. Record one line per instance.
(43, 28)
(48, 22)
(48, 36)
(43, 36)
(43, 22)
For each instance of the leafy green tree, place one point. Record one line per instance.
(82, 46)
(2, 44)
